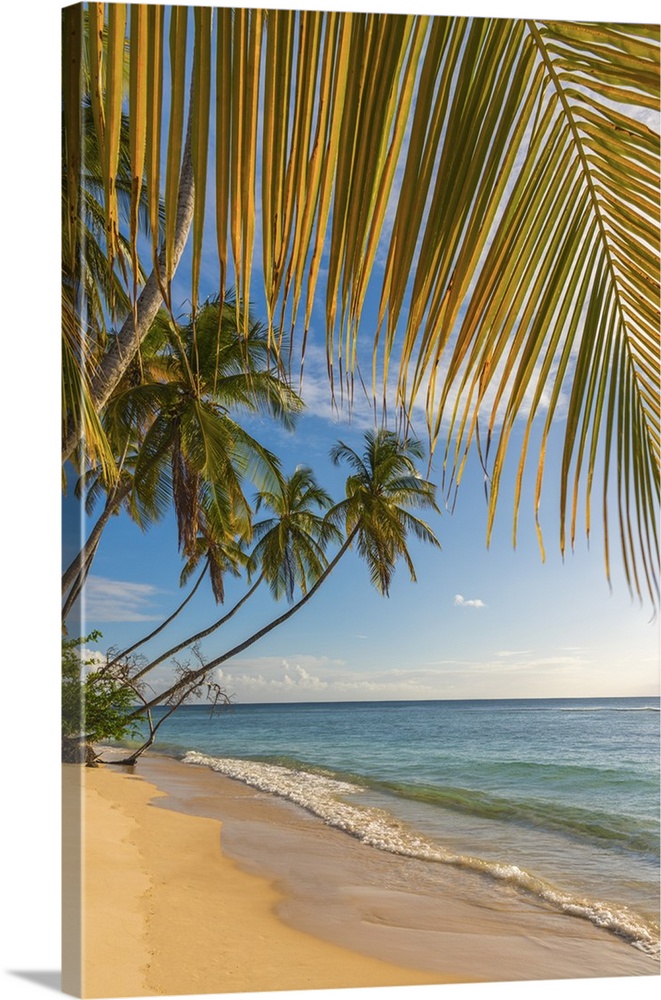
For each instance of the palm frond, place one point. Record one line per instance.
(503, 169)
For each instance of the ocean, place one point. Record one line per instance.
(555, 799)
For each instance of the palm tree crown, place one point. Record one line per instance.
(192, 448)
(290, 549)
(383, 485)
(172, 423)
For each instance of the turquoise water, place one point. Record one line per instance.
(557, 799)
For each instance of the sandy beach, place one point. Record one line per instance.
(165, 911)
(194, 883)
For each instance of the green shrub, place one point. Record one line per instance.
(95, 705)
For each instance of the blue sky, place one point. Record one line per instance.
(478, 623)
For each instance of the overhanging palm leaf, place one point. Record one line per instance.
(565, 301)
(96, 287)
(521, 266)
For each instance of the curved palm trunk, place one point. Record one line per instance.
(74, 593)
(200, 635)
(164, 624)
(261, 633)
(82, 561)
(119, 357)
(77, 572)
(131, 759)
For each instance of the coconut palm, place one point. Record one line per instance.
(376, 516)
(172, 419)
(193, 442)
(507, 171)
(290, 552)
(384, 483)
(291, 545)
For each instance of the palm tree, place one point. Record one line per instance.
(193, 444)
(290, 550)
(505, 171)
(291, 545)
(375, 515)
(172, 420)
(383, 485)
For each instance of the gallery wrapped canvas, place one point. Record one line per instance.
(360, 320)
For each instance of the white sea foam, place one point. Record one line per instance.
(612, 708)
(325, 797)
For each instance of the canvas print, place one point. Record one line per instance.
(360, 445)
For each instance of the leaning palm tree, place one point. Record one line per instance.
(290, 552)
(383, 485)
(173, 420)
(193, 444)
(376, 515)
(507, 173)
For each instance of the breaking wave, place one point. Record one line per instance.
(326, 797)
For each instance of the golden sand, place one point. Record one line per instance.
(164, 911)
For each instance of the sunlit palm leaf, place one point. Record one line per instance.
(520, 242)
(137, 120)
(154, 119)
(72, 32)
(77, 398)
(200, 132)
(566, 296)
(178, 36)
(114, 88)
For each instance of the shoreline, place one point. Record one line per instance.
(165, 911)
(327, 911)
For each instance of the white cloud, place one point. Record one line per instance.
(537, 673)
(474, 602)
(91, 659)
(119, 601)
(303, 677)
(308, 678)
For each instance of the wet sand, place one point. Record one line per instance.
(165, 911)
(216, 887)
